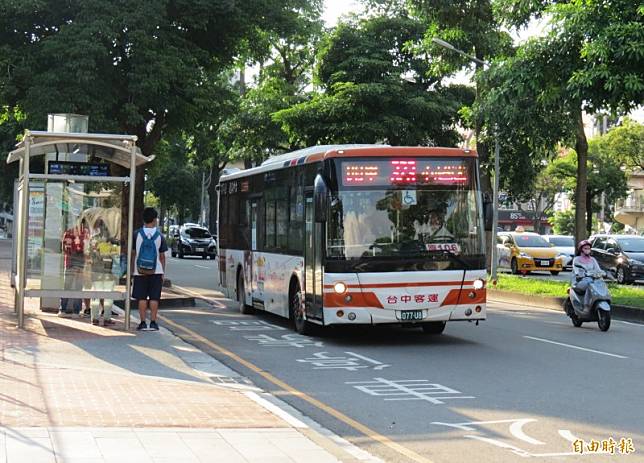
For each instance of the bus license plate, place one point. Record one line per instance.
(411, 315)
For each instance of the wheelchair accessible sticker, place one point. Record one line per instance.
(409, 198)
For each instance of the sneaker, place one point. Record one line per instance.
(142, 326)
(109, 322)
(95, 322)
(154, 326)
(63, 314)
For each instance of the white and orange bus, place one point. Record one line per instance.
(356, 234)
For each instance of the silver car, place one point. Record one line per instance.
(565, 246)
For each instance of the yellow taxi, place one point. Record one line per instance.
(524, 252)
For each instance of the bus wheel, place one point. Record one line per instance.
(241, 295)
(433, 327)
(296, 311)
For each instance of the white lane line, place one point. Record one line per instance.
(202, 266)
(576, 347)
(631, 323)
(517, 431)
(290, 419)
(503, 445)
(566, 434)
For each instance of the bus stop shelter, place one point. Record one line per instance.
(74, 218)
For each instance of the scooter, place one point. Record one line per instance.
(598, 307)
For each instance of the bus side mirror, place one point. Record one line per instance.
(487, 215)
(320, 198)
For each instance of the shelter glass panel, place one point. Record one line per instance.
(76, 233)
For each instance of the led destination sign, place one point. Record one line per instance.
(404, 171)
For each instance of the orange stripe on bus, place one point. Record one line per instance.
(457, 296)
(357, 300)
(314, 158)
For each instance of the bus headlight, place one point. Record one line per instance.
(478, 284)
(340, 288)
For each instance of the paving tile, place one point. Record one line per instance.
(207, 448)
(164, 445)
(291, 445)
(3, 447)
(74, 444)
(78, 460)
(113, 448)
(28, 432)
(32, 450)
(176, 460)
(314, 456)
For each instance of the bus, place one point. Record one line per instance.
(356, 235)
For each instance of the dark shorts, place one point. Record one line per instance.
(147, 287)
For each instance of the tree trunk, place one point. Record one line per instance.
(589, 213)
(581, 146)
(162, 216)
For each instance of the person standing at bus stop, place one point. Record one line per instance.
(148, 260)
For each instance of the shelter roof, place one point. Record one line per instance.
(111, 147)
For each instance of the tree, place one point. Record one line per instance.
(133, 67)
(590, 60)
(604, 178)
(365, 98)
(285, 75)
(625, 144)
(172, 179)
(563, 222)
(11, 126)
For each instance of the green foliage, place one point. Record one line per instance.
(174, 180)
(11, 127)
(251, 133)
(563, 222)
(469, 25)
(621, 294)
(366, 100)
(133, 67)
(591, 59)
(624, 144)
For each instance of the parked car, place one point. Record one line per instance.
(193, 240)
(621, 254)
(524, 252)
(565, 246)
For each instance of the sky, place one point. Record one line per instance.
(335, 8)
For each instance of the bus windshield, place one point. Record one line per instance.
(379, 223)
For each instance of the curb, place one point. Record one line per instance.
(619, 312)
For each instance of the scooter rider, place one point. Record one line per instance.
(584, 265)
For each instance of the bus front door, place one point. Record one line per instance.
(312, 262)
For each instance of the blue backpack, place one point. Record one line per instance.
(146, 260)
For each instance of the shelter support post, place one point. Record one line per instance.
(21, 284)
(130, 219)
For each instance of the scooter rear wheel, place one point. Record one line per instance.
(571, 313)
(603, 319)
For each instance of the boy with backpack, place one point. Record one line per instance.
(149, 247)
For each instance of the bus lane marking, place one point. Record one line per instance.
(288, 340)
(412, 389)
(516, 430)
(351, 362)
(575, 347)
(247, 325)
(361, 428)
(566, 434)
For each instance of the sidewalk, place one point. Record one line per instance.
(73, 392)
